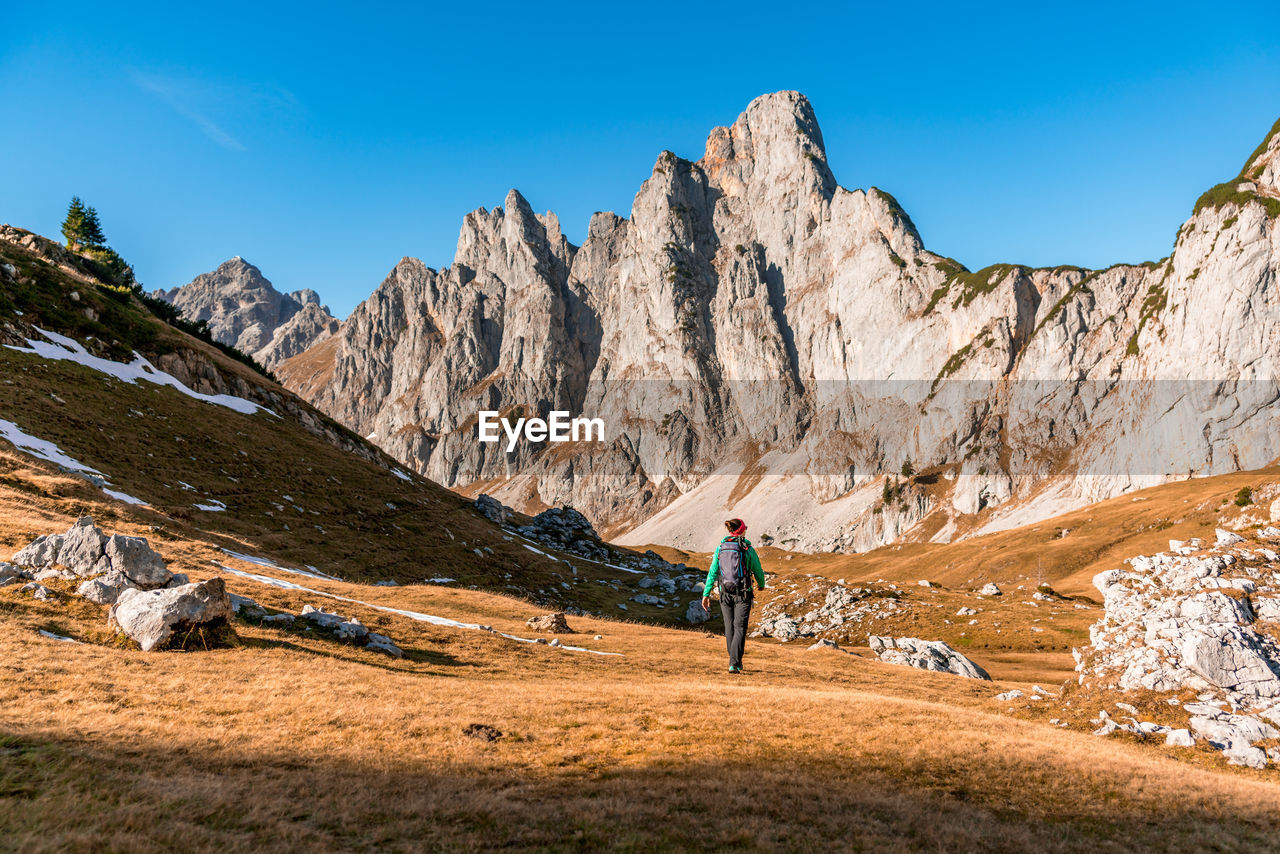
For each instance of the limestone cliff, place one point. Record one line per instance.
(764, 342)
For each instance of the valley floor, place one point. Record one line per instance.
(289, 742)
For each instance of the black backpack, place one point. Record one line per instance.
(731, 555)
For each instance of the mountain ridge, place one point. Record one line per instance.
(750, 311)
(244, 310)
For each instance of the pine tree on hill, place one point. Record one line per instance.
(73, 225)
(93, 235)
(81, 228)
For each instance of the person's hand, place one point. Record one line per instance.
(706, 604)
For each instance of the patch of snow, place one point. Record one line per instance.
(309, 572)
(61, 348)
(212, 507)
(441, 580)
(39, 448)
(50, 453)
(125, 497)
(188, 487)
(52, 636)
(403, 475)
(539, 551)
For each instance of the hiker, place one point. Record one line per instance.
(732, 565)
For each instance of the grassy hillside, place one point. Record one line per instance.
(289, 741)
(296, 486)
(281, 738)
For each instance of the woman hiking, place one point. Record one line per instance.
(732, 565)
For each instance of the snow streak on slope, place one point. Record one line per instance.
(50, 453)
(412, 615)
(67, 349)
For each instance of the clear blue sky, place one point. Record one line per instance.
(324, 141)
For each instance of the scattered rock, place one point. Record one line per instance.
(352, 630)
(555, 624)
(662, 582)
(493, 509)
(1008, 696)
(382, 643)
(966, 612)
(246, 608)
(782, 627)
(1226, 538)
(321, 618)
(647, 599)
(825, 643)
(151, 617)
(37, 591)
(483, 732)
(695, 613)
(991, 589)
(925, 655)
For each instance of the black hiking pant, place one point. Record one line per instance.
(736, 610)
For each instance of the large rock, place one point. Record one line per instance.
(134, 558)
(80, 550)
(553, 623)
(150, 617)
(109, 565)
(493, 509)
(695, 613)
(925, 655)
(105, 589)
(41, 552)
(83, 549)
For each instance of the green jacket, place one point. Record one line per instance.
(753, 564)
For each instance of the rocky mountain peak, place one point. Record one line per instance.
(776, 138)
(750, 311)
(513, 237)
(243, 309)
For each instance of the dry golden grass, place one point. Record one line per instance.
(291, 741)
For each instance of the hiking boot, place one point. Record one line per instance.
(733, 669)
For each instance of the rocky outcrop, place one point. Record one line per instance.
(925, 655)
(244, 310)
(151, 617)
(109, 565)
(1197, 621)
(349, 629)
(760, 341)
(555, 624)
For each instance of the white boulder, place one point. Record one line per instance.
(925, 655)
(151, 617)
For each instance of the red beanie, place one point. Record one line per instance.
(736, 527)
